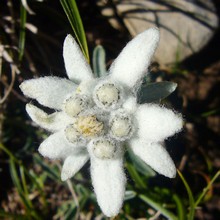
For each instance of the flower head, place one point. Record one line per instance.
(98, 118)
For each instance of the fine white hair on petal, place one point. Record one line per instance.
(109, 181)
(73, 164)
(52, 122)
(156, 123)
(57, 147)
(48, 91)
(132, 63)
(86, 87)
(77, 67)
(155, 155)
(130, 104)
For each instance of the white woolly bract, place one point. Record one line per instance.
(109, 181)
(73, 164)
(76, 126)
(51, 122)
(48, 91)
(156, 123)
(77, 67)
(57, 147)
(132, 63)
(130, 104)
(155, 155)
(86, 87)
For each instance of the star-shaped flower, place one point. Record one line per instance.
(98, 118)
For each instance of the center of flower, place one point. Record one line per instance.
(88, 126)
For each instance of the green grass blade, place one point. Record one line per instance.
(190, 195)
(8, 152)
(158, 207)
(24, 186)
(21, 43)
(19, 182)
(206, 189)
(16, 181)
(51, 172)
(14, 176)
(11, 216)
(33, 213)
(23, 180)
(209, 113)
(135, 175)
(72, 13)
(180, 207)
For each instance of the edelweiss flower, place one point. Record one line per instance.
(100, 118)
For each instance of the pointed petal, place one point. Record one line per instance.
(53, 122)
(155, 156)
(76, 66)
(48, 91)
(132, 63)
(156, 123)
(57, 147)
(73, 164)
(109, 181)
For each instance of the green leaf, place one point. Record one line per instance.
(142, 167)
(98, 60)
(21, 43)
(72, 13)
(190, 195)
(129, 194)
(158, 207)
(153, 92)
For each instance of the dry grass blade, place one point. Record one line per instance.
(8, 91)
(24, 3)
(14, 69)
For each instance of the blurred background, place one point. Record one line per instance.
(31, 38)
